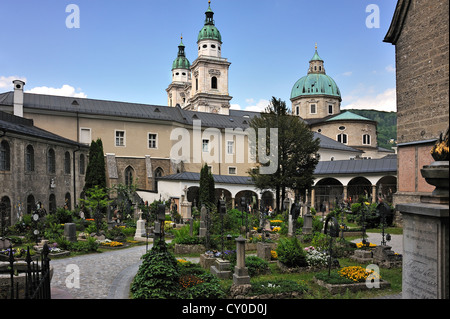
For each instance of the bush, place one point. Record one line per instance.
(158, 276)
(291, 253)
(277, 286)
(256, 266)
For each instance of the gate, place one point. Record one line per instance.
(37, 277)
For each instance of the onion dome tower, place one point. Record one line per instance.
(181, 76)
(315, 95)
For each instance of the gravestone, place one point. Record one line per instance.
(140, 227)
(221, 269)
(307, 223)
(70, 232)
(290, 226)
(203, 221)
(4, 243)
(240, 276)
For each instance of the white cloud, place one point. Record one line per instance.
(260, 106)
(349, 73)
(6, 82)
(65, 90)
(385, 101)
(390, 68)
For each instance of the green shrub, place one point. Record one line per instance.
(277, 286)
(158, 276)
(256, 266)
(291, 253)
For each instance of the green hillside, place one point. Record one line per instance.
(387, 125)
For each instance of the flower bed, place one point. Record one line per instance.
(353, 278)
(110, 243)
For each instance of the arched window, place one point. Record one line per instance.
(52, 204)
(82, 164)
(5, 156)
(196, 84)
(366, 139)
(5, 206)
(158, 173)
(67, 202)
(31, 204)
(213, 82)
(29, 159)
(342, 138)
(51, 161)
(129, 176)
(67, 163)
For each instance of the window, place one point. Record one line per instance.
(213, 82)
(82, 164)
(29, 159)
(230, 147)
(85, 136)
(129, 176)
(298, 110)
(67, 163)
(120, 138)
(31, 204)
(152, 140)
(232, 170)
(330, 109)
(366, 139)
(67, 201)
(213, 46)
(5, 202)
(51, 161)
(205, 146)
(313, 109)
(196, 84)
(342, 138)
(5, 156)
(52, 203)
(341, 128)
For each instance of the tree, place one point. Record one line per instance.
(297, 151)
(95, 171)
(207, 187)
(97, 200)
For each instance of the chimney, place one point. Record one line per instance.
(18, 97)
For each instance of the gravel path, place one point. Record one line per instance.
(101, 276)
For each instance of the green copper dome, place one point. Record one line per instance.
(209, 30)
(315, 84)
(181, 62)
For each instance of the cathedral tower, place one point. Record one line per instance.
(181, 77)
(209, 81)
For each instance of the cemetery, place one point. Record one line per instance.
(240, 252)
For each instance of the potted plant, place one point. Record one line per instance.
(436, 173)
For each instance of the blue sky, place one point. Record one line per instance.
(124, 50)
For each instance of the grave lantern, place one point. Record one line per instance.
(383, 211)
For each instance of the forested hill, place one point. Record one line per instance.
(387, 125)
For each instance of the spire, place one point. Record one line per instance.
(181, 47)
(316, 56)
(209, 15)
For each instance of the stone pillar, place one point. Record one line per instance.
(374, 194)
(425, 251)
(345, 192)
(313, 197)
(425, 239)
(240, 276)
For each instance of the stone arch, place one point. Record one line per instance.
(328, 192)
(386, 188)
(129, 176)
(251, 198)
(359, 186)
